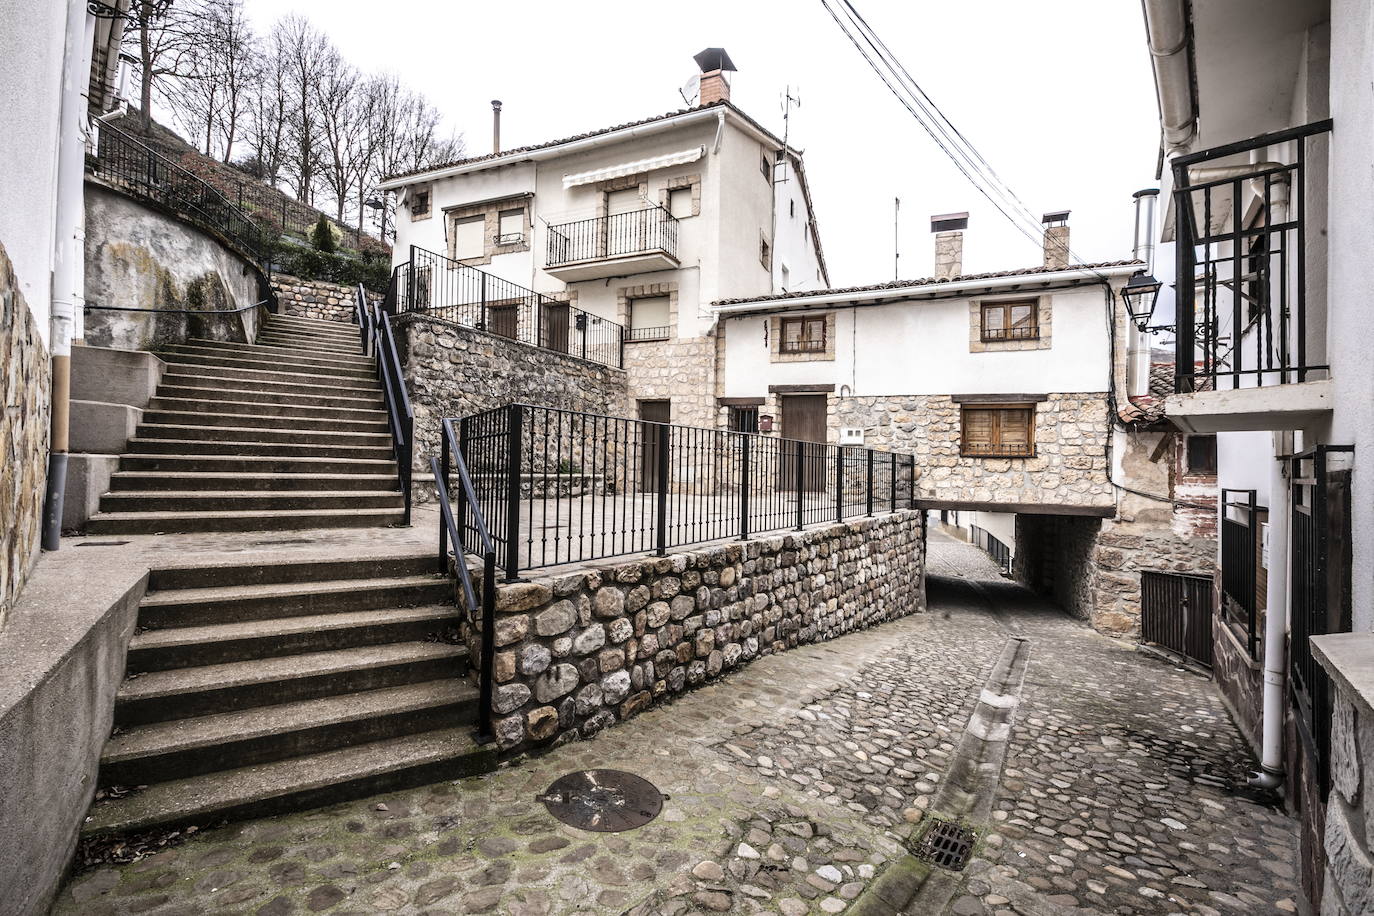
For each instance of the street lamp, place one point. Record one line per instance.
(377, 203)
(1140, 294)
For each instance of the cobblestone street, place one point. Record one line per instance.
(792, 784)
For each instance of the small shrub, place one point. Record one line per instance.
(322, 236)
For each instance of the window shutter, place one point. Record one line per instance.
(680, 202)
(468, 238)
(512, 224)
(978, 430)
(649, 313)
(992, 318)
(1016, 430)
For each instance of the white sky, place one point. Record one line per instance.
(1057, 95)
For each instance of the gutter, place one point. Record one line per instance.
(823, 298)
(1168, 32)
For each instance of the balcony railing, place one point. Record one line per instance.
(457, 292)
(649, 231)
(1246, 316)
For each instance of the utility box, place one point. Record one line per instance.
(851, 435)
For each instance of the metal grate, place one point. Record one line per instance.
(946, 844)
(605, 801)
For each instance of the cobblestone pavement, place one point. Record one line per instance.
(791, 783)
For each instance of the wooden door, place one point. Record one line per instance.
(1176, 613)
(553, 326)
(803, 419)
(652, 413)
(504, 319)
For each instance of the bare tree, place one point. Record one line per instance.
(268, 111)
(302, 51)
(163, 33)
(210, 97)
(403, 133)
(342, 108)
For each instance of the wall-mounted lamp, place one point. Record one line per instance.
(1140, 294)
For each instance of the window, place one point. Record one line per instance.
(999, 432)
(419, 204)
(766, 168)
(1201, 458)
(765, 253)
(468, 238)
(744, 419)
(680, 202)
(792, 208)
(803, 335)
(650, 318)
(1018, 320)
(511, 227)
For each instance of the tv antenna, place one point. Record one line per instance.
(791, 98)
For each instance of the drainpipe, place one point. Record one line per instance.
(1270, 776)
(68, 277)
(1167, 31)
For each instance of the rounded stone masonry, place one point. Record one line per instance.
(582, 651)
(315, 298)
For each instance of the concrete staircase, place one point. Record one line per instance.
(253, 689)
(288, 432)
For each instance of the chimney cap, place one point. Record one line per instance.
(1055, 217)
(948, 222)
(1148, 192)
(713, 59)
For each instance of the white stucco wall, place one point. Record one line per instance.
(793, 246)
(31, 53)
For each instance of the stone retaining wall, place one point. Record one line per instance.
(579, 652)
(315, 298)
(1348, 836)
(24, 427)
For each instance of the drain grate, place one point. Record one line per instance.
(946, 844)
(605, 801)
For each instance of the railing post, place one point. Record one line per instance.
(443, 494)
(515, 416)
(911, 481)
(799, 471)
(410, 281)
(745, 447)
(482, 303)
(463, 491)
(485, 732)
(870, 483)
(892, 482)
(661, 433)
(407, 469)
(839, 483)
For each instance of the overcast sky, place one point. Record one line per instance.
(1057, 95)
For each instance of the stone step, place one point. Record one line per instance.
(323, 398)
(181, 748)
(250, 464)
(295, 783)
(189, 417)
(355, 360)
(263, 364)
(243, 500)
(167, 481)
(258, 386)
(344, 349)
(214, 644)
(191, 607)
(178, 368)
(254, 520)
(311, 570)
(347, 335)
(144, 446)
(160, 696)
(224, 404)
(310, 325)
(232, 433)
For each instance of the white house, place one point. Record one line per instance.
(641, 224)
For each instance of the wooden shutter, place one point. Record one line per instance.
(1015, 431)
(979, 430)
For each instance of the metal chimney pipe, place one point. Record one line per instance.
(1143, 248)
(496, 125)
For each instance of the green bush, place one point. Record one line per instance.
(373, 272)
(322, 236)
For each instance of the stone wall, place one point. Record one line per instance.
(452, 370)
(1055, 556)
(24, 428)
(680, 371)
(316, 299)
(579, 652)
(1069, 467)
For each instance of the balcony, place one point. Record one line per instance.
(1250, 350)
(610, 246)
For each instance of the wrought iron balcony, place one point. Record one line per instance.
(621, 243)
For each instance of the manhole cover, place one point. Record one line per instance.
(946, 844)
(606, 801)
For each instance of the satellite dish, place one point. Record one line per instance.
(691, 91)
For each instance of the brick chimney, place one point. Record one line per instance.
(1056, 238)
(714, 84)
(949, 244)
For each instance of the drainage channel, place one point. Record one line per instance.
(926, 879)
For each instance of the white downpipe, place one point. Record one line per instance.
(1166, 30)
(1270, 775)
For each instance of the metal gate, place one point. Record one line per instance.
(1176, 613)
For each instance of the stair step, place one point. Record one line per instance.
(182, 748)
(356, 356)
(214, 644)
(273, 389)
(316, 325)
(243, 500)
(226, 481)
(323, 398)
(347, 337)
(250, 464)
(263, 364)
(298, 782)
(188, 607)
(158, 696)
(348, 361)
(238, 574)
(231, 433)
(192, 418)
(144, 446)
(255, 520)
(178, 368)
(225, 404)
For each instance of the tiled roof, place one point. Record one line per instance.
(929, 281)
(1150, 408)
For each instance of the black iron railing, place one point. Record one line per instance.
(618, 235)
(1239, 524)
(1018, 333)
(1243, 299)
(557, 486)
(378, 341)
(660, 333)
(994, 548)
(1317, 513)
(132, 166)
(453, 291)
(468, 536)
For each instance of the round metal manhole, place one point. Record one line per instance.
(605, 801)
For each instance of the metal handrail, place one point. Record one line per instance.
(379, 341)
(613, 235)
(450, 452)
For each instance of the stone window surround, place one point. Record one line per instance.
(411, 193)
(775, 353)
(679, 183)
(490, 211)
(625, 295)
(976, 343)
